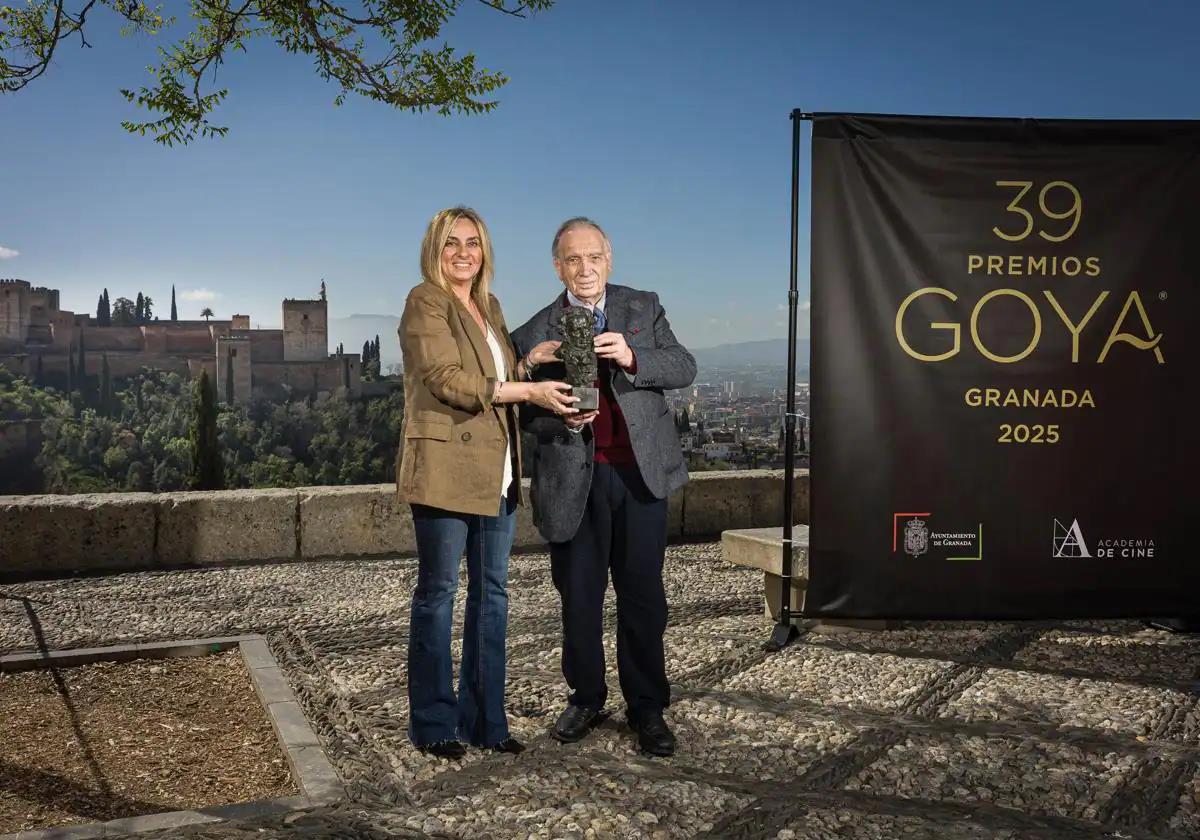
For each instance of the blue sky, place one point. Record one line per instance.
(665, 121)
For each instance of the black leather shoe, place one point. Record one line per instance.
(452, 750)
(575, 722)
(509, 745)
(654, 736)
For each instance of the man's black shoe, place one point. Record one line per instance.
(509, 745)
(654, 736)
(575, 722)
(452, 750)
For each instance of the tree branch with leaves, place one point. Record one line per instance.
(402, 68)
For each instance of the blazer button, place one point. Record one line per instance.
(466, 436)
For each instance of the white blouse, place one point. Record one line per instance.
(502, 376)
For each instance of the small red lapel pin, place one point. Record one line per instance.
(635, 330)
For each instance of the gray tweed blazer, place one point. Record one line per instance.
(562, 461)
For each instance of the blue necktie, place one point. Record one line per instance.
(599, 321)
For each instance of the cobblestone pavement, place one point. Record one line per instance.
(963, 730)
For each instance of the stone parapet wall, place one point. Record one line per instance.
(47, 536)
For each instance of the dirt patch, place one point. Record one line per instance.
(120, 739)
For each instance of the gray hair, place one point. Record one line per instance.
(571, 224)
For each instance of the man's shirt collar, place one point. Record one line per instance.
(574, 301)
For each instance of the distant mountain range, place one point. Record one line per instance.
(772, 351)
(355, 329)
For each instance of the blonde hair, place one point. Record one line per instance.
(436, 235)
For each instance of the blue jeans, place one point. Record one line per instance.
(477, 716)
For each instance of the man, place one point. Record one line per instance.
(600, 485)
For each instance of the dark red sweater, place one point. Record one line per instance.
(612, 435)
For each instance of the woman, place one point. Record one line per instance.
(460, 468)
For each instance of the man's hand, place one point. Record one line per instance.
(611, 345)
(576, 422)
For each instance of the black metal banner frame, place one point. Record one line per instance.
(785, 632)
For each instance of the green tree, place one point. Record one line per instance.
(685, 422)
(174, 310)
(206, 313)
(147, 308)
(207, 470)
(124, 313)
(398, 68)
(104, 311)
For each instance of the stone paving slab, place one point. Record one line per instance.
(1011, 695)
(554, 801)
(1140, 655)
(1040, 777)
(879, 682)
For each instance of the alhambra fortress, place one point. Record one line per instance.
(38, 338)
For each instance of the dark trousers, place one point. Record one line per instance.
(624, 529)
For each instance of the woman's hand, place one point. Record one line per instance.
(552, 396)
(543, 353)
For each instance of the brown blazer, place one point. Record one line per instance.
(453, 439)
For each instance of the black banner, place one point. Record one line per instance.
(1004, 359)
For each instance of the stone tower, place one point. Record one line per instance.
(305, 330)
(15, 303)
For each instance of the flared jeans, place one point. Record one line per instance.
(476, 716)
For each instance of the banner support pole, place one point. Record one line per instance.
(785, 632)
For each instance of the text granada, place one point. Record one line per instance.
(1029, 398)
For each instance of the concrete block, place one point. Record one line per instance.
(291, 726)
(258, 809)
(357, 521)
(67, 658)
(257, 654)
(773, 589)
(227, 526)
(65, 832)
(762, 548)
(271, 686)
(60, 534)
(156, 822)
(316, 775)
(719, 501)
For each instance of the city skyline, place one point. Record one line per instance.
(668, 124)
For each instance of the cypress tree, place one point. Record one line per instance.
(208, 472)
(229, 379)
(139, 309)
(100, 310)
(174, 311)
(105, 385)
